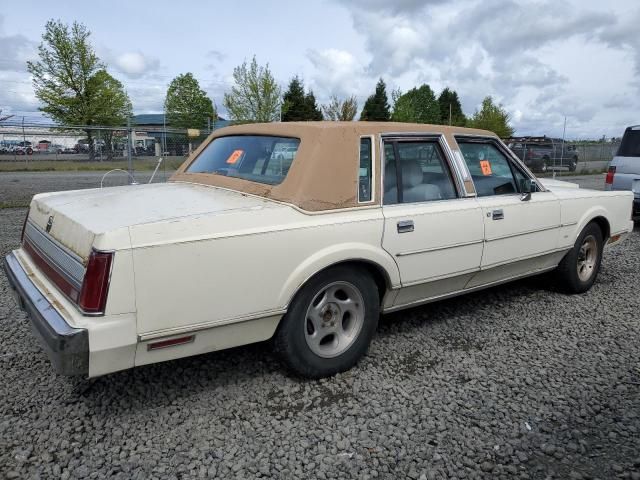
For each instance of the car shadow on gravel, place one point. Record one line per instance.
(162, 383)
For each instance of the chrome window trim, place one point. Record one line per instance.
(373, 171)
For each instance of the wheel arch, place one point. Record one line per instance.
(603, 223)
(377, 262)
(597, 216)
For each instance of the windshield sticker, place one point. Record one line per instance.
(235, 156)
(486, 167)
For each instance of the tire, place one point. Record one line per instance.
(573, 165)
(544, 165)
(579, 269)
(323, 333)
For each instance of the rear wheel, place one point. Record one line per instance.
(573, 164)
(579, 268)
(330, 323)
(544, 165)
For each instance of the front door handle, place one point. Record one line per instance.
(405, 226)
(497, 214)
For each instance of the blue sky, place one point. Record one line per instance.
(543, 60)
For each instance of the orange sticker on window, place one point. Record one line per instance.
(486, 167)
(235, 156)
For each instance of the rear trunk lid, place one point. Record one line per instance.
(83, 219)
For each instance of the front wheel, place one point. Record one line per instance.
(579, 269)
(330, 323)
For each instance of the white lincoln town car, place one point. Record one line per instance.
(245, 244)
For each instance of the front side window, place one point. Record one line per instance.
(416, 171)
(258, 158)
(490, 169)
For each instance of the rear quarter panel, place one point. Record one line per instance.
(210, 271)
(578, 207)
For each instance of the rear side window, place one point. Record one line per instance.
(364, 176)
(630, 145)
(258, 158)
(420, 171)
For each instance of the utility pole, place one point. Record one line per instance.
(129, 159)
(564, 132)
(449, 113)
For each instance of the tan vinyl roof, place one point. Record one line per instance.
(324, 173)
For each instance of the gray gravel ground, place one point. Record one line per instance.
(514, 382)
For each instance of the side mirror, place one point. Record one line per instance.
(527, 186)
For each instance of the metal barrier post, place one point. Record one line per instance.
(129, 160)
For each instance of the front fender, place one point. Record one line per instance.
(342, 252)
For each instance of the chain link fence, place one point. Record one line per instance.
(43, 146)
(25, 146)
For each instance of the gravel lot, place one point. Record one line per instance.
(514, 382)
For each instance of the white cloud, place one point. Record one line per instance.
(510, 49)
(135, 64)
(337, 72)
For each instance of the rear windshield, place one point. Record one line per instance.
(630, 145)
(258, 158)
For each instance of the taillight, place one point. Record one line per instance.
(95, 286)
(24, 225)
(610, 173)
(530, 154)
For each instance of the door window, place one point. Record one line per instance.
(416, 171)
(492, 172)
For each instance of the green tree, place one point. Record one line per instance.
(492, 117)
(340, 110)
(187, 105)
(376, 108)
(313, 111)
(293, 101)
(255, 97)
(72, 83)
(111, 106)
(450, 106)
(418, 105)
(298, 106)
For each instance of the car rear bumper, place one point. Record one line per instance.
(66, 346)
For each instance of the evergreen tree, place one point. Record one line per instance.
(312, 109)
(450, 104)
(294, 104)
(376, 108)
(418, 105)
(298, 106)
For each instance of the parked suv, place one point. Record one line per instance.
(624, 169)
(541, 154)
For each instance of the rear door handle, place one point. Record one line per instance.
(405, 226)
(497, 214)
